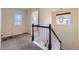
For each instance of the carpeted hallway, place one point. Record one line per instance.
(21, 42)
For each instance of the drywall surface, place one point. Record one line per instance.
(78, 28)
(0, 27)
(67, 33)
(8, 27)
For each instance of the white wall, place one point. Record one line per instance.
(45, 16)
(78, 28)
(29, 22)
(67, 33)
(45, 20)
(0, 27)
(8, 28)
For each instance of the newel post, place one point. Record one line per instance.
(49, 47)
(32, 32)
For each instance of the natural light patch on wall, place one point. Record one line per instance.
(18, 19)
(63, 19)
(35, 17)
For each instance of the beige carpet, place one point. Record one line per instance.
(21, 42)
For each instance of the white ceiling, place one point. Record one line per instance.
(53, 9)
(25, 8)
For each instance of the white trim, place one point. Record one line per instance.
(39, 45)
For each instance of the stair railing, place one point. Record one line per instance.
(50, 30)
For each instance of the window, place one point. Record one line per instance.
(18, 19)
(63, 19)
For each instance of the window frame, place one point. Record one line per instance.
(19, 17)
(64, 21)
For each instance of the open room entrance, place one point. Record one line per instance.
(35, 21)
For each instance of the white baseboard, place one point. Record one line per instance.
(39, 45)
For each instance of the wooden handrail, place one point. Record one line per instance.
(40, 26)
(57, 38)
(55, 35)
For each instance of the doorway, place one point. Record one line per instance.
(35, 21)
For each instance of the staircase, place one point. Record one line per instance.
(52, 43)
